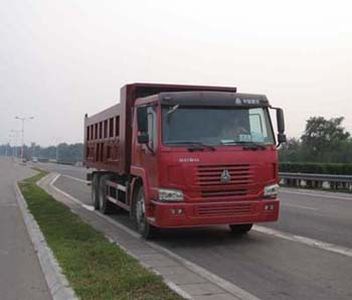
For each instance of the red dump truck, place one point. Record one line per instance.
(177, 156)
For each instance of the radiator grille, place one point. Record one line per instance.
(240, 174)
(239, 181)
(230, 209)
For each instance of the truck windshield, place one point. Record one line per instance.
(216, 126)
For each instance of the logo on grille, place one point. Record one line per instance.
(225, 176)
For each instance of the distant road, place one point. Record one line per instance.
(78, 172)
(268, 266)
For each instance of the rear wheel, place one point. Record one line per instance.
(146, 230)
(105, 206)
(241, 228)
(95, 191)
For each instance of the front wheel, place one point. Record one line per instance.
(241, 228)
(146, 230)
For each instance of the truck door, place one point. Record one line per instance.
(148, 154)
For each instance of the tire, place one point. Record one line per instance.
(95, 191)
(145, 229)
(241, 228)
(105, 206)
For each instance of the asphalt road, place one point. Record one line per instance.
(266, 266)
(20, 273)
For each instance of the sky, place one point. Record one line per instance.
(62, 59)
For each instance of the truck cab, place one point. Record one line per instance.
(206, 158)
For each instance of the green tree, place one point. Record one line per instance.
(291, 150)
(323, 137)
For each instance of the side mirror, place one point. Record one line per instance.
(281, 137)
(143, 138)
(142, 119)
(280, 120)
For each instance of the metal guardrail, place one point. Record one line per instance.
(316, 177)
(320, 181)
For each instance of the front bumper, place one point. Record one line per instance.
(178, 215)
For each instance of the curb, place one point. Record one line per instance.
(57, 283)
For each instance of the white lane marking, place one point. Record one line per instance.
(317, 195)
(56, 177)
(62, 192)
(224, 284)
(89, 207)
(76, 178)
(304, 240)
(298, 206)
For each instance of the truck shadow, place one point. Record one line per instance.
(200, 237)
(205, 237)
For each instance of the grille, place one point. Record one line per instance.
(230, 209)
(211, 175)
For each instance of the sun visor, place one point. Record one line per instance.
(222, 99)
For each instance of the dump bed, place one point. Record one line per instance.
(108, 134)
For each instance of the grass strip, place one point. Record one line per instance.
(95, 268)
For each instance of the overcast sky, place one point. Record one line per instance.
(61, 59)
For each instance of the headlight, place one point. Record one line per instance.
(170, 195)
(271, 191)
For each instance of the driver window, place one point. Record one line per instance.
(152, 128)
(257, 124)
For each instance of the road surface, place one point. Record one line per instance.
(268, 266)
(20, 273)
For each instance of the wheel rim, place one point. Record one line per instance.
(140, 213)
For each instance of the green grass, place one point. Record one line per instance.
(95, 268)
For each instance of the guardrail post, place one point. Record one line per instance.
(326, 185)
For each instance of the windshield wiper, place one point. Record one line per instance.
(172, 110)
(247, 145)
(196, 145)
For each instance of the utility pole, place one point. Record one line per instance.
(23, 119)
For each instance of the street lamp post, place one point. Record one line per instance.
(23, 119)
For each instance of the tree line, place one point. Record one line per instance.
(66, 153)
(323, 141)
